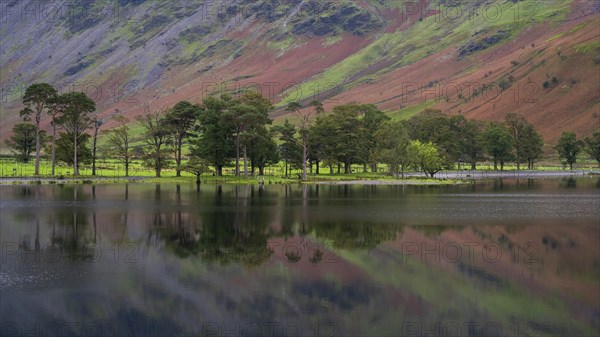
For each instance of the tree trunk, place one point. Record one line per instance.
(179, 144)
(237, 155)
(37, 148)
(53, 147)
(330, 169)
(339, 168)
(365, 170)
(304, 157)
(75, 164)
(317, 167)
(219, 170)
(347, 168)
(495, 165)
(571, 166)
(126, 167)
(286, 168)
(245, 161)
(158, 164)
(473, 166)
(261, 170)
(94, 152)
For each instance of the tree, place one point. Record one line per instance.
(262, 150)
(23, 140)
(392, 147)
(58, 105)
(156, 134)
(37, 99)
(215, 133)
(568, 148)
(290, 149)
(118, 140)
(318, 106)
(593, 146)
(180, 119)
(372, 120)
(498, 144)
(295, 107)
(65, 149)
(323, 142)
(533, 144)
(197, 166)
(75, 119)
(471, 145)
(250, 112)
(96, 124)
(347, 135)
(425, 157)
(517, 125)
(434, 126)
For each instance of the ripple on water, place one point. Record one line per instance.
(11, 279)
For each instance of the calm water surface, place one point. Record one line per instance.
(496, 259)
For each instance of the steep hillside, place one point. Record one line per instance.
(482, 59)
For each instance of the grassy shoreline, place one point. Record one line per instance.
(442, 178)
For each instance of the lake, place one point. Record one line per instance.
(503, 258)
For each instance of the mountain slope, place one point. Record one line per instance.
(539, 58)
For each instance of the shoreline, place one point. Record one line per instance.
(442, 178)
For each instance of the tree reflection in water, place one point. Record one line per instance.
(233, 235)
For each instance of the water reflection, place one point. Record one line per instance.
(349, 260)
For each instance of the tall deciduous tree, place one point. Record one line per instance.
(290, 148)
(532, 146)
(65, 149)
(372, 120)
(568, 148)
(392, 147)
(434, 126)
(118, 139)
(593, 146)
(75, 119)
(296, 108)
(249, 113)
(180, 119)
(23, 140)
(262, 150)
(498, 144)
(347, 135)
(97, 123)
(516, 125)
(156, 134)
(215, 140)
(58, 105)
(472, 145)
(37, 100)
(323, 143)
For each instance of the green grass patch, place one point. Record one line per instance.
(587, 47)
(411, 111)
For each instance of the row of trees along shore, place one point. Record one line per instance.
(225, 130)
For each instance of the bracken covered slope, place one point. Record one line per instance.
(482, 59)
